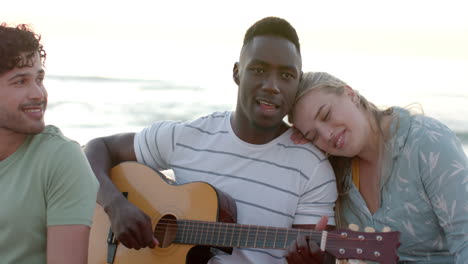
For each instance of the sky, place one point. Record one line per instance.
(395, 52)
(377, 46)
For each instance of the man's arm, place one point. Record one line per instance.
(318, 198)
(131, 226)
(103, 154)
(67, 244)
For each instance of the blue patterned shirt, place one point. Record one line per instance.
(424, 194)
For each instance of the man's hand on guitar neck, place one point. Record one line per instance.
(130, 225)
(306, 251)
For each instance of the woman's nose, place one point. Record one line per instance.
(326, 133)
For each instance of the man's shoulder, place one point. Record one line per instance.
(213, 118)
(212, 123)
(49, 150)
(52, 132)
(208, 125)
(52, 139)
(306, 151)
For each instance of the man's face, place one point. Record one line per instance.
(268, 74)
(23, 99)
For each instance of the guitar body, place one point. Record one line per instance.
(156, 196)
(188, 219)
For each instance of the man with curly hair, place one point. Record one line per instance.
(47, 188)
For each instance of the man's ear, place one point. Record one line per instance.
(235, 73)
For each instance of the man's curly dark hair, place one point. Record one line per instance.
(18, 45)
(273, 26)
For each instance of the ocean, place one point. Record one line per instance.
(89, 107)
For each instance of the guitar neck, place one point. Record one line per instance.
(221, 234)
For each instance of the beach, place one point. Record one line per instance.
(89, 107)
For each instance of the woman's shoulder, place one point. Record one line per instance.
(417, 124)
(418, 130)
(427, 123)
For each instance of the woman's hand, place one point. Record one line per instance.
(297, 137)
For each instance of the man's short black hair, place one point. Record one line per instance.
(18, 45)
(273, 26)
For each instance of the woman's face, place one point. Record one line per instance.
(334, 123)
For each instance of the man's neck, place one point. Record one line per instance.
(255, 135)
(10, 142)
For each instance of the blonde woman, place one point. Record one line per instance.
(393, 168)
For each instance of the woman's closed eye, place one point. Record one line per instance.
(326, 116)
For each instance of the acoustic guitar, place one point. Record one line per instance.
(188, 219)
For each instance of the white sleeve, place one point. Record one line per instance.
(154, 145)
(319, 196)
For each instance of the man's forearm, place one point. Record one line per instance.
(100, 161)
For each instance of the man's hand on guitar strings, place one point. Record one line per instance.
(306, 251)
(131, 226)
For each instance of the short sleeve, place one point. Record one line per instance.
(71, 187)
(154, 145)
(319, 196)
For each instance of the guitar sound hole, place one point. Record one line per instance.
(166, 230)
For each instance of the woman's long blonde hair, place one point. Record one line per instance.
(328, 83)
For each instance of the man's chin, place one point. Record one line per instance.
(33, 130)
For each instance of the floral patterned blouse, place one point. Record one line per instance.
(424, 193)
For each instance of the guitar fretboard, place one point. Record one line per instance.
(236, 235)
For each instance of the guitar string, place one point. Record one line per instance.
(267, 243)
(194, 227)
(243, 242)
(234, 226)
(384, 252)
(248, 228)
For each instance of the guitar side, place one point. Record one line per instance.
(152, 194)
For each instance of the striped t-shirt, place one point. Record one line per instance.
(275, 184)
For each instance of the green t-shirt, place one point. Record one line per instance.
(46, 182)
